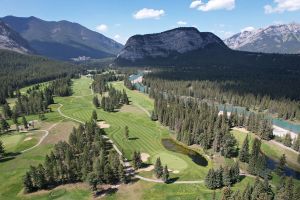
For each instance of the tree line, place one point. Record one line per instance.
(270, 93)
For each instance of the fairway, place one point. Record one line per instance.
(144, 135)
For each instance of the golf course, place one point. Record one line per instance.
(144, 136)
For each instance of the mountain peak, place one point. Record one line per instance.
(279, 38)
(168, 43)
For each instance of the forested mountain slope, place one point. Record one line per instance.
(62, 39)
(17, 70)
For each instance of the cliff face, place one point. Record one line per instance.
(10, 40)
(168, 43)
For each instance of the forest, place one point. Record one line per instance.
(18, 70)
(266, 89)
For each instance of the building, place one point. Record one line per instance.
(136, 78)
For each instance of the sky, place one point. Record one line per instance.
(120, 19)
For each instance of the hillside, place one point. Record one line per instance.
(62, 39)
(189, 47)
(284, 39)
(11, 40)
(19, 70)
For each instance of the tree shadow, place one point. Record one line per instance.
(5, 159)
(133, 138)
(108, 191)
(172, 180)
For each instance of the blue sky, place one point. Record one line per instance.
(120, 19)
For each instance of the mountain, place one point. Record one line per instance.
(283, 39)
(168, 44)
(187, 47)
(62, 39)
(11, 40)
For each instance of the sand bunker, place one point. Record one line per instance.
(28, 138)
(145, 157)
(147, 169)
(103, 124)
(175, 172)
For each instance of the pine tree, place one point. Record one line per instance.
(24, 121)
(296, 194)
(7, 111)
(94, 116)
(210, 179)
(298, 158)
(2, 150)
(122, 175)
(96, 101)
(158, 169)
(126, 132)
(92, 180)
(4, 126)
(227, 180)
(229, 146)
(287, 141)
(281, 165)
(28, 185)
(166, 174)
(296, 144)
(226, 193)
(244, 153)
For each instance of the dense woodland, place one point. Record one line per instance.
(86, 157)
(263, 89)
(114, 98)
(196, 122)
(18, 70)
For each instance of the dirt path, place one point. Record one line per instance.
(42, 138)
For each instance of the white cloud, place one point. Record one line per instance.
(225, 34)
(182, 23)
(120, 39)
(147, 13)
(102, 28)
(196, 4)
(282, 6)
(249, 28)
(214, 5)
(117, 36)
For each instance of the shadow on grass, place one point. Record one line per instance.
(133, 138)
(172, 180)
(108, 191)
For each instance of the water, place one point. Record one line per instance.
(277, 122)
(172, 145)
(271, 164)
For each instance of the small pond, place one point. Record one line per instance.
(271, 164)
(172, 145)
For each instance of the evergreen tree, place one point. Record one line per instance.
(166, 174)
(296, 144)
(94, 116)
(158, 169)
(298, 158)
(226, 193)
(4, 126)
(154, 116)
(287, 141)
(28, 185)
(122, 175)
(210, 179)
(229, 146)
(2, 150)
(96, 101)
(24, 121)
(281, 165)
(227, 180)
(244, 153)
(92, 180)
(126, 132)
(7, 111)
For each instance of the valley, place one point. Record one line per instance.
(146, 137)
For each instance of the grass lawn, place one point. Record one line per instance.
(145, 135)
(16, 142)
